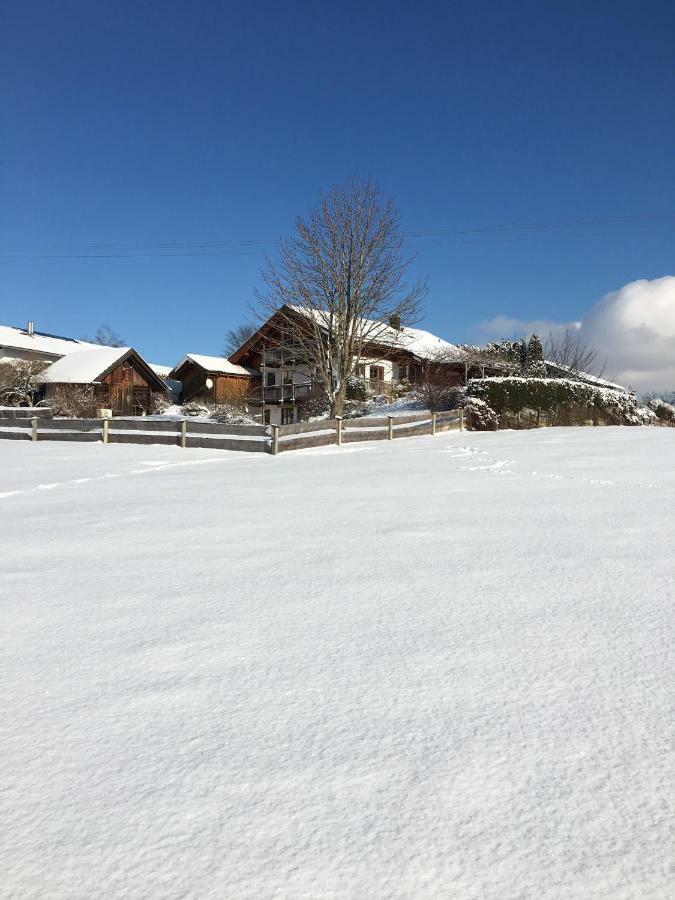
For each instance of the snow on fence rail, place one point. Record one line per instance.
(220, 436)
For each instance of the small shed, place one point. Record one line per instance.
(230, 383)
(117, 377)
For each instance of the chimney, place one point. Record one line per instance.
(31, 328)
(395, 322)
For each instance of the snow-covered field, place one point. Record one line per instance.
(441, 667)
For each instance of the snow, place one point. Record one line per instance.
(420, 343)
(436, 667)
(586, 377)
(162, 371)
(48, 344)
(215, 364)
(83, 367)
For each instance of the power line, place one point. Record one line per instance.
(254, 246)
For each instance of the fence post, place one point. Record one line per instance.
(461, 419)
(275, 440)
(183, 433)
(433, 423)
(390, 433)
(34, 429)
(105, 425)
(339, 430)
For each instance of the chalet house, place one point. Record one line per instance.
(117, 377)
(213, 379)
(394, 353)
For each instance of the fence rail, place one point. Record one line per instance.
(221, 436)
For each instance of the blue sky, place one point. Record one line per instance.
(151, 152)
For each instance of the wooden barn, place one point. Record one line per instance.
(213, 380)
(116, 378)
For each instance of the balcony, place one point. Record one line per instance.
(288, 355)
(288, 393)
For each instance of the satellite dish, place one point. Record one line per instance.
(209, 383)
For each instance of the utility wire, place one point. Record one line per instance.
(254, 246)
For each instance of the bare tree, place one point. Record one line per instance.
(20, 382)
(572, 355)
(106, 337)
(340, 282)
(235, 337)
(73, 401)
(438, 388)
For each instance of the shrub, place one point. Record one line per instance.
(356, 388)
(20, 383)
(160, 403)
(195, 409)
(479, 416)
(401, 388)
(230, 415)
(313, 407)
(73, 401)
(354, 409)
(514, 394)
(662, 410)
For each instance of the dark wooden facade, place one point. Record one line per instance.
(128, 388)
(227, 388)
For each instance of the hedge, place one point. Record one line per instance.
(514, 394)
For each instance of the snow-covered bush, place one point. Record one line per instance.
(195, 409)
(647, 415)
(401, 388)
(354, 409)
(20, 383)
(73, 401)
(556, 395)
(160, 404)
(479, 416)
(356, 388)
(313, 407)
(662, 410)
(230, 415)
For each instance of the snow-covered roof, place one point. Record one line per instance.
(162, 371)
(586, 376)
(420, 343)
(47, 344)
(214, 364)
(84, 366)
(414, 340)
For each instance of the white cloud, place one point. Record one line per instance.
(633, 327)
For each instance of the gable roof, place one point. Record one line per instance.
(91, 366)
(216, 364)
(40, 342)
(420, 343)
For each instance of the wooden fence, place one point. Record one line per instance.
(216, 436)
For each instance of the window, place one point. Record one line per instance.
(361, 371)
(402, 373)
(270, 379)
(288, 377)
(287, 415)
(377, 373)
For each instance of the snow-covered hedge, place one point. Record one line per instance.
(662, 410)
(514, 394)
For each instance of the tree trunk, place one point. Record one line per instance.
(338, 403)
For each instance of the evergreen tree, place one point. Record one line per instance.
(534, 358)
(522, 352)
